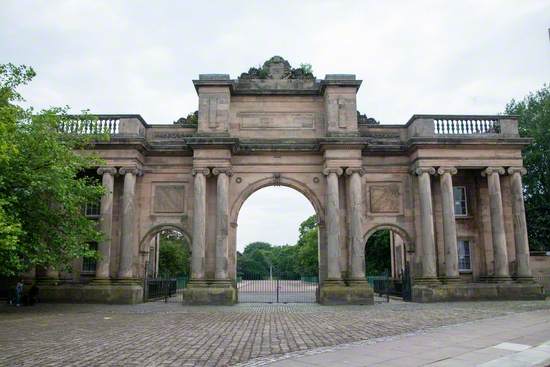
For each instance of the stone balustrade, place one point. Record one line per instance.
(463, 126)
(105, 124)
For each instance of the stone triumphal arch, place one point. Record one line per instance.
(450, 186)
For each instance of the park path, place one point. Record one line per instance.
(170, 334)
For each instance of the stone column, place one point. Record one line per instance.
(199, 224)
(105, 222)
(355, 223)
(222, 222)
(332, 219)
(429, 268)
(449, 223)
(520, 224)
(128, 222)
(500, 253)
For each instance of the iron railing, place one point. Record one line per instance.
(278, 288)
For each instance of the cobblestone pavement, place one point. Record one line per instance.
(170, 334)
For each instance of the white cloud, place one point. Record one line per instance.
(413, 56)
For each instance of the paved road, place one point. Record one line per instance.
(518, 340)
(170, 334)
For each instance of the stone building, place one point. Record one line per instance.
(449, 187)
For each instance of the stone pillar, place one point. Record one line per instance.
(128, 222)
(355, 223)
(222, 222)
(500, 253)
(520, 224)
(332, 219)
(449, 223)
(429, 268)
(199, 224)
(105, 223)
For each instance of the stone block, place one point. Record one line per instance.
(92, 293)
(340, 294)
(219, 296)
(425, 293)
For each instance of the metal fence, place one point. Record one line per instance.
(277, 288)
(169, 289)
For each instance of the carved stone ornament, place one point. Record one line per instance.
(364, 119)
(490, 170)
(339, 171)
(521, 170)
(227, 170)
(420, 170)
(351, 170)
(238, 180)
(276, 179)
(108, 170)
(131, 169)
(451, 170)
(203, 170)
(277, 68)
(316, 179)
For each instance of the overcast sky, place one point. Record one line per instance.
(461, 57)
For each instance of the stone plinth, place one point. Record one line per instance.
(112, 293)
(359, 293)
(476, 292)
(218, 293)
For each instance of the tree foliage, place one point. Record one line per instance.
(174, 255)
(43, 185)
(534, 122)
(378, 253)
(290, 260)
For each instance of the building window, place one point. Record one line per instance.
(464, 259)
(91, 210)
(459, 195)
(89, 263)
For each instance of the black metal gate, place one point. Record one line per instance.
(167, 289)
(406, 287)
(277, 288)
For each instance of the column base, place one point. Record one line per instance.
(427, 281)
(217, 292)
(525, 279)
(337, 293)
(425, 293)
(450, 280)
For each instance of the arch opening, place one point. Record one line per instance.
(276, 245)
(387, 260)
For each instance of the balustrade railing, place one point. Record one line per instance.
(466, 126)
(100, 125)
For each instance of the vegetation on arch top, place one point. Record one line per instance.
(278, 68)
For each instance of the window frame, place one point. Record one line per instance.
(469, 242)
(465, 193)
(90, 206)
(90, 261)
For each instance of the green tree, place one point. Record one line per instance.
(308, 247)
(378, 253)
(174, 255)
(43, 185)
(534, 122)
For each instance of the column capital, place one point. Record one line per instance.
(450, 170)
(106, 170)
(204, 170)
(134, 170)
(521, 170)
(420, 170)
(227, 170)
(351, 170)
(490, 170)
(328, 170)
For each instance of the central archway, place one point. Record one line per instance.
(270, 264)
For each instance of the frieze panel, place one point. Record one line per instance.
(385, 198)
(277, 120)
(169, 198)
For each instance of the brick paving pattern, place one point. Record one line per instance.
(168, 334)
